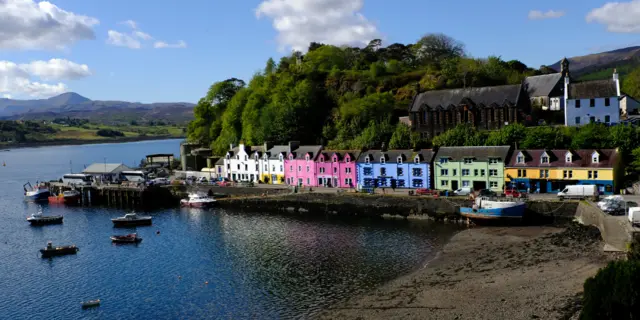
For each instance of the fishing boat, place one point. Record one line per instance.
(71, 196)
(131, 219)
(197, 200)
(40, 219)
(38, 193)
(129, 238)
(494, 208)
(50, 250)
(90, 303)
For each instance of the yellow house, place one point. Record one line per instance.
(549, 171)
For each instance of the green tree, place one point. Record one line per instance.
(591, 136)
(461, 135)
(613, 292)
(631, 83)
(401, 138)
(507, 136)
(544, 138)
(436, 47)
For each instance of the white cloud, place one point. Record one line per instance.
(19, 79)
(621, 17)
(539, 15)
(56, 69)
(122, 40)
(132, 24)
(6, 96)
(162, 44)
(25, 24)
(300, 22)
(142, 35)
(15, 80)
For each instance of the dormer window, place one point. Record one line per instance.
(544, 158)
(257, 157)
(228, 157)
(238, 157)
(367, 160)
(399, 160)
(568, 157)
(246, 158)
(468, 160)
(280, 157)
(335, 159)
(382, 160)
(595, 158)
(290, 157)
(306, 157)
(347, 160)
(520, 159)
(416, 160)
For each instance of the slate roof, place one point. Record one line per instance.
(483, 95)
(341, 154)
(276, 150)
(303, 150)
(541, 86)
(390, 156)
(478, 153)
(593, 89)
(426, 155)
(581, 158)
(109, 168)
(220, 162)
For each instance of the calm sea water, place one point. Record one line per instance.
(203, 264)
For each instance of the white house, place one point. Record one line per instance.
(628, 105)
(272, 164)
(241, 165)
(592, 101)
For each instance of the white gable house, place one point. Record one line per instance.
(592, 101)
(241, 164)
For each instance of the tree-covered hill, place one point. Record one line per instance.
(342, 97)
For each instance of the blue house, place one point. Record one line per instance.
(404, 168)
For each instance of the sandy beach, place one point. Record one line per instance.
(491, 273)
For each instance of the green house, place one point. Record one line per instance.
(475, 167)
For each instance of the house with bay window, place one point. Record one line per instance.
(474, 167)
(300, 166)
(550, 171)
(337, 169)
(399, 168)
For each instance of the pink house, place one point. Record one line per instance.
(337, 169)
(300, 166)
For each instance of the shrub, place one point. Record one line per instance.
(613, 293)
(109, 133)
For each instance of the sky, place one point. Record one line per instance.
(172, 51)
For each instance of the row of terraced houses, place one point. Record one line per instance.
(447, 168)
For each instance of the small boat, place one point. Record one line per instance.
(90, 303)
(71, 197)
(40, 219)
(56, 199)
(38, 193)
(131, 219)
(488, 208)
(197, 200)
(129, 238)
(50, 250)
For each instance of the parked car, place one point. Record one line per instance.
(160, 181)
(513, 193)
(464, 191)
(202, 180)
(487, 193)
(426, 192)
(223, 183)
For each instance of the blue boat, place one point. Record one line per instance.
(38, 193)
(486, 208)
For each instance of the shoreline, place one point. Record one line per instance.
(490, 273)
(76, 142)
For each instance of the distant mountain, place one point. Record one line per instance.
(601, 65)
(73, 105)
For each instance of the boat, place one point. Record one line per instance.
(38, 193)
(129, 238)
(197, 200)
(50, 250)
(494, 208)
(131, 219)
(40, 219)
(56, 199)
(90, 303)
(71, 197)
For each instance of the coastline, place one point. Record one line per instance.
(490, 273)
(73, 142)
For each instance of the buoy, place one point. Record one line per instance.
(179, 277)
(158, 232)
(206, 282)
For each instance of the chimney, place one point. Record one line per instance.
(231, 146)
(384, 147)
(293, 145)
(617, 80)
(566, 99)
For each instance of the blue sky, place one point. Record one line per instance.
(214, 40)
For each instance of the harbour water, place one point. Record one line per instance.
(201, 265)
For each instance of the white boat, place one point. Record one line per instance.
(38, 193)
(90, 303)
(488, 208)
(40, 219)
(197, 200)
(131, 219)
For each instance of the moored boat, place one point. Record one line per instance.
(129, 238)
(71, 197)
(197, 200)
(90, 303)
(38, 193)
(40, 219)
(488, 208)
(50, 250)
(131, 219)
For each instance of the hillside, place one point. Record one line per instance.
(600, 65)
(73, 105)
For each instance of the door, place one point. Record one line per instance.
(479, 185)
(454, 185)
(273, 179)
(543, 187)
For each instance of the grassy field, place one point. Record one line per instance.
(88, 132)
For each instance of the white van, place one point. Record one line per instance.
(585, 191)
(464, 191)
(634, 216)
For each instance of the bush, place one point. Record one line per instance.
(109, 133)
(613, 293)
